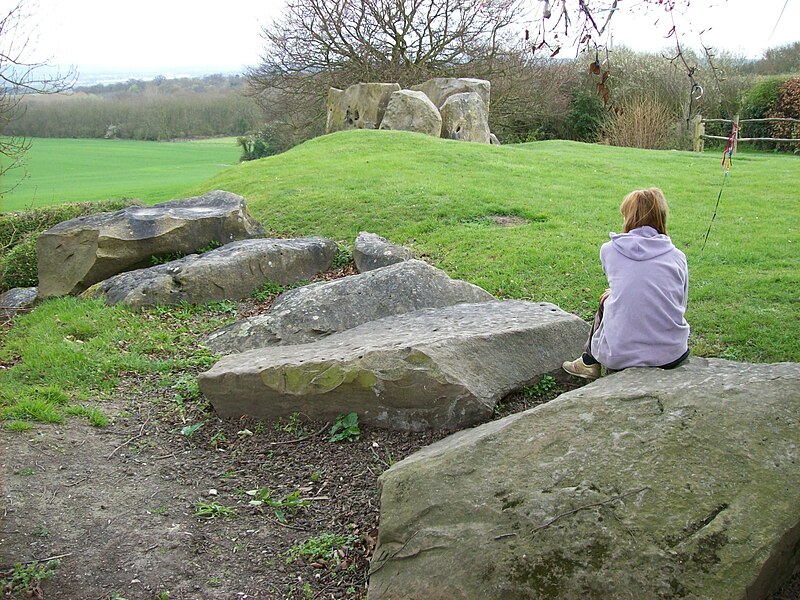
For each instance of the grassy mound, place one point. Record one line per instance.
(445, 199)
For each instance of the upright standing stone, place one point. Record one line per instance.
(464, 117)
(412, 111)
(335, 110)
(360, 106)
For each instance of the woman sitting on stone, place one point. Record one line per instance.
(640, 321)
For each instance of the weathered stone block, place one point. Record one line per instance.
(645, 484)
(440, 89)
(464, 117)
(371, 251)
(433, 368)
(412, 111)
(314, 311)
(360, 106)
(80, 252)
(231, 272)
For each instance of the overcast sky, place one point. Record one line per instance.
(165, 35)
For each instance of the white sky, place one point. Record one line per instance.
(169, 34)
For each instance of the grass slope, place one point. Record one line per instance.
(439, 197)
(77, 170)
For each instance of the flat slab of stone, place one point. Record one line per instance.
(231, 272)
(316, 310)
(371, 251)
(645, 484)
(429, 369)
(80, 252)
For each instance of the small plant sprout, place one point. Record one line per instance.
(213, 510)
(189, 430)
(293, 425)
(288, 505)
(346, 429)
(343, 256)
(24, 579)
(322, 547)
(218, 439)
(546, 388)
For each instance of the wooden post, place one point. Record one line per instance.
(736, 137)
(698, 130)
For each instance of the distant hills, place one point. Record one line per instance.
(90, 76)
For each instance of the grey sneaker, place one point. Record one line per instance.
(578, 368)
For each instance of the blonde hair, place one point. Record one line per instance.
(645, 207)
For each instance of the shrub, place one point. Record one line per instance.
(787, 105)
(17, 225)
(268, 141)
(18, 266)
(642, 122)
(587, 113)
(757, 103)
(20, 230)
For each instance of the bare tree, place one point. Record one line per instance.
(317, 44)
(19, 76)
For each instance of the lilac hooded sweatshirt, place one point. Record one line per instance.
(643, 321)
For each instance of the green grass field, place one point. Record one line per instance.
(75, 170)
(439, 197)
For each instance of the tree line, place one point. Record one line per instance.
(160, 109)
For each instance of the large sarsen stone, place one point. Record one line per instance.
(313, 311)
(412, 111)
(432, 368)
(440, 89)
(80, 252)
(645, 484)
(464, 117)
(228, 273)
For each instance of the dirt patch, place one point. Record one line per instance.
(118, 506)
(508, 220)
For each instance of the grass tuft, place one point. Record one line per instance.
(95, 416)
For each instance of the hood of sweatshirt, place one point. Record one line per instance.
(642, 243)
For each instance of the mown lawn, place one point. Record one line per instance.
(78, 170)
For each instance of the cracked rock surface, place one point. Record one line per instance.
(314, 311)
(428, 369)
(227, 273)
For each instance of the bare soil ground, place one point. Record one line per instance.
(117, 506)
